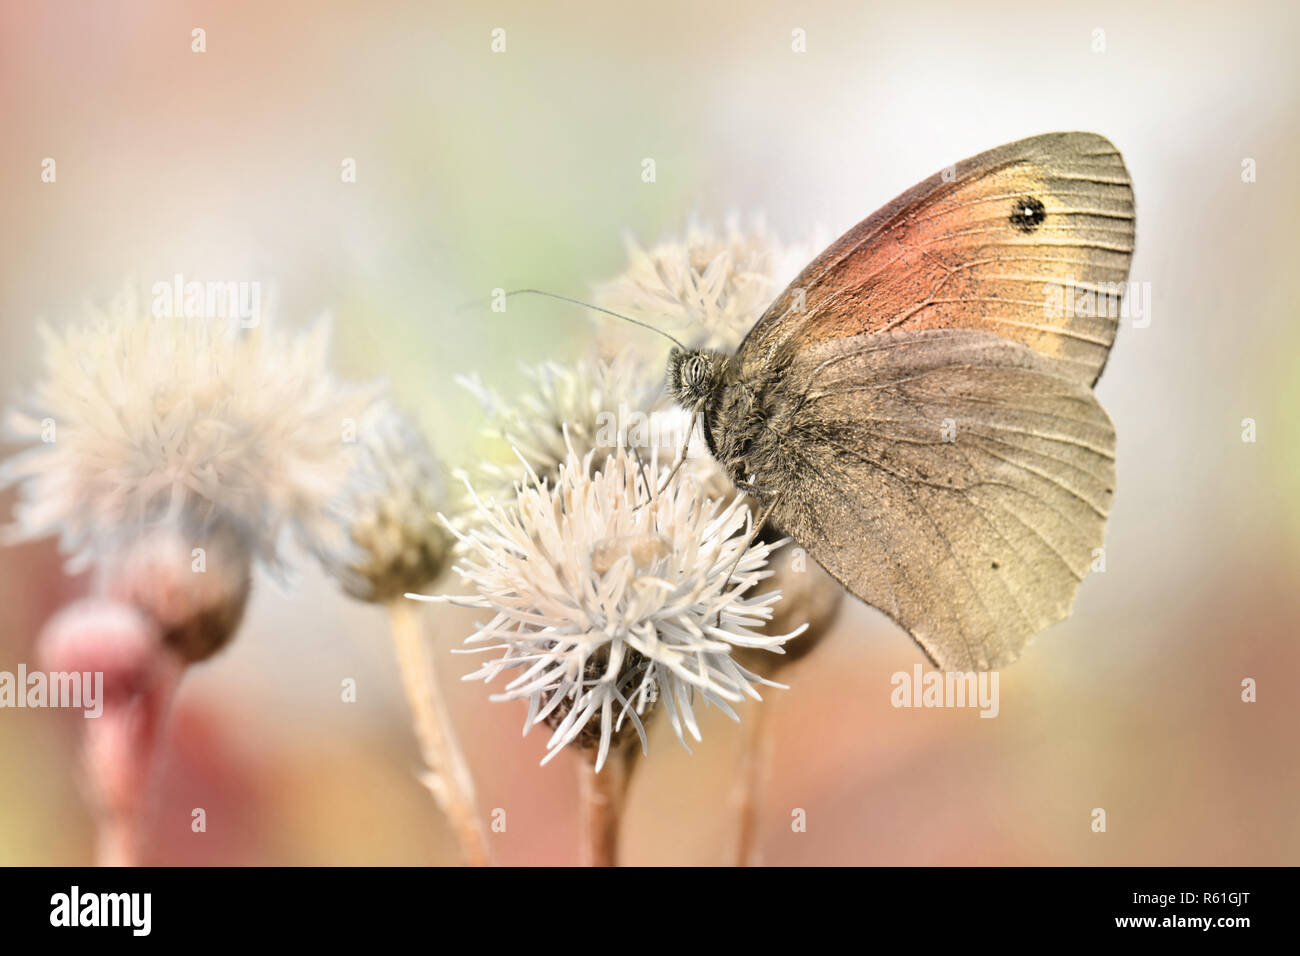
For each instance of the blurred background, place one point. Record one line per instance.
(477, 170)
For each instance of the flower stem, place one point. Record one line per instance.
(751, 778)
(117, 841)
(601, 800)
(447, 777)
(119, 753)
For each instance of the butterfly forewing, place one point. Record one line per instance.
(1030, 241)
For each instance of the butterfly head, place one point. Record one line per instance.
(693, 374)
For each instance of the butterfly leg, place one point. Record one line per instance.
(750, 489)
(681, 455)
(640, 466)
(753, 535)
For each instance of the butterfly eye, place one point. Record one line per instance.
(690, 375)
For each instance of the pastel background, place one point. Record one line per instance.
(477, 170)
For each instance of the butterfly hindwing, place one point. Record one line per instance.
(1030, 241)
(955, 479)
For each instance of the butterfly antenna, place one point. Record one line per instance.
(595, 308)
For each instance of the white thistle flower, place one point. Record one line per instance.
(706, 289)
(606, 599)
(145, 422)
(389, 510)
(591, 404)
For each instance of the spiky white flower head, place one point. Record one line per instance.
(607, 598)
(395, 541)
(707, 288)
(591, 404)
(143, 421)
(809, 595)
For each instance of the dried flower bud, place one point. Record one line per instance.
(394, 540)
(808, 596)
(194, 585)
(101, 636)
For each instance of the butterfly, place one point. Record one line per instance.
(916, 408)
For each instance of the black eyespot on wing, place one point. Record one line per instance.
(1027, 213)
